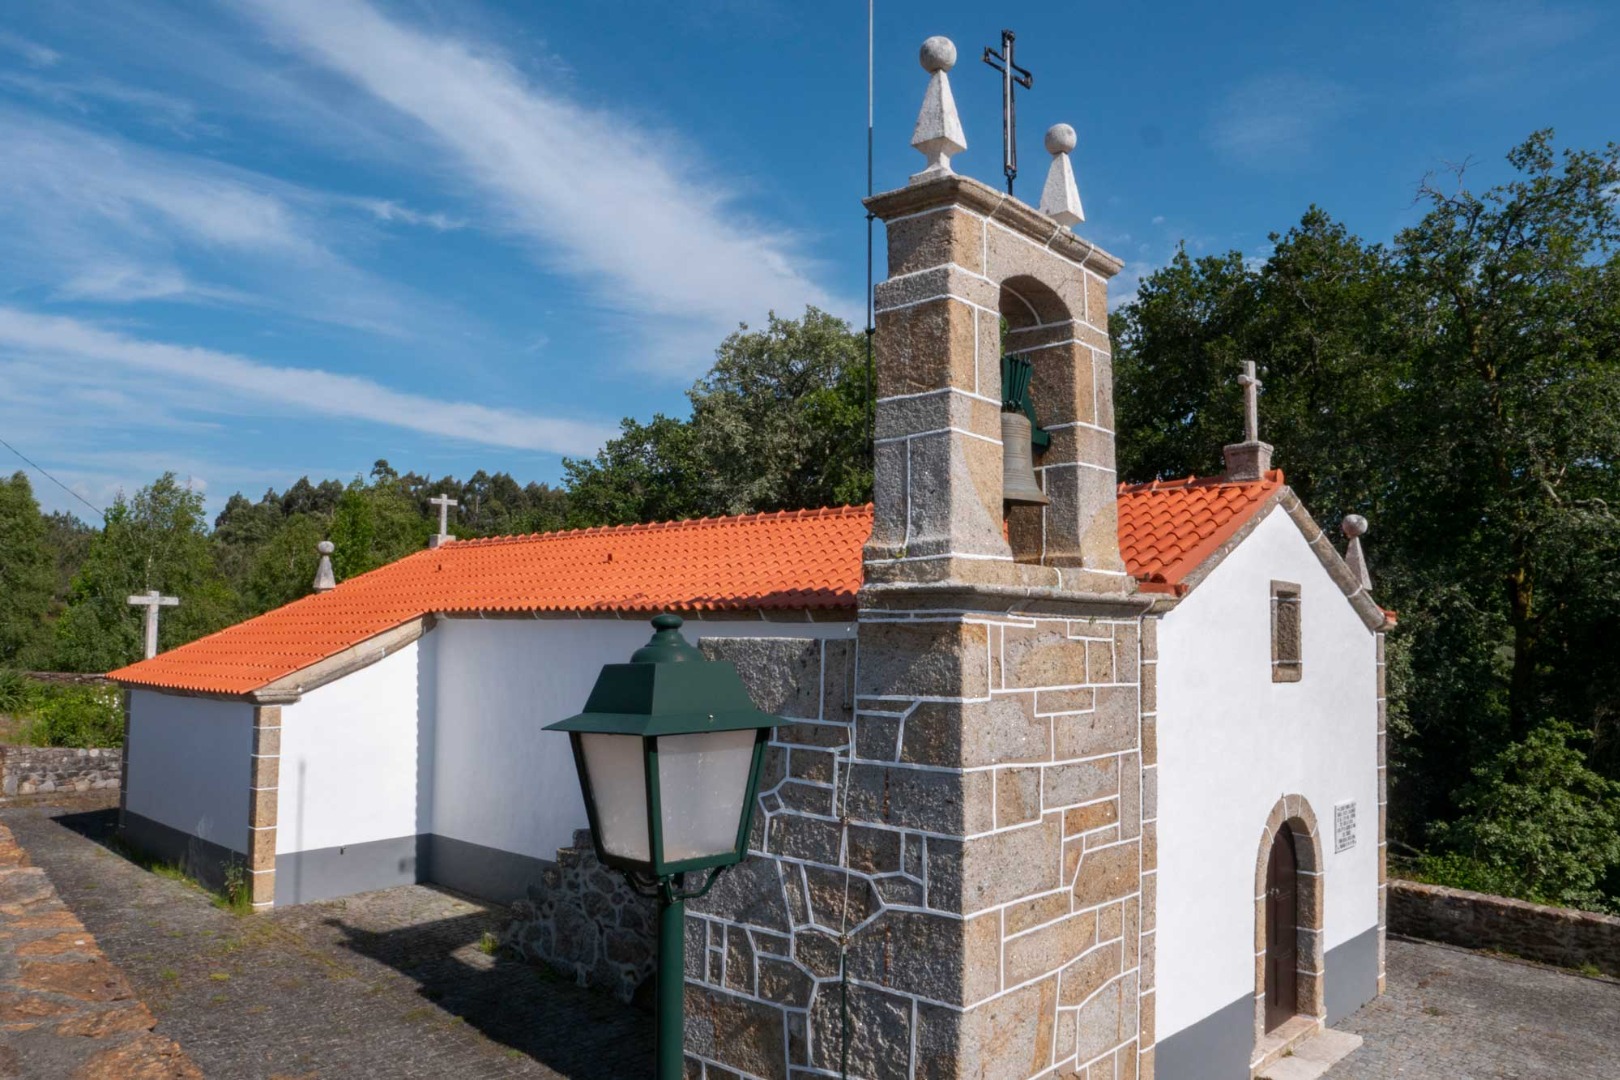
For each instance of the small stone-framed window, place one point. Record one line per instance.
(1286, 658)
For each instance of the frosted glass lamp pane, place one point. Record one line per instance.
(702, 780)
(619, 789)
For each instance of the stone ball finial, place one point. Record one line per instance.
(1060, 139)
(1353, 525)
(325, 547)
(938, 53)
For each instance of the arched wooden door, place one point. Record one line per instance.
(1282, 908)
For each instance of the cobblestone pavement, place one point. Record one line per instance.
(64, 1010)
(387, 984)
(1467, 1016)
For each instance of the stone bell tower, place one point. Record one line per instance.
(954, 862)
(1001, 649)
(964, 260)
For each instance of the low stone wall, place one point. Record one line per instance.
(68, 678)
(584, 920)
(1552, 935)
(33, 770)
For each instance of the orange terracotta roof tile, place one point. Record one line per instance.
(807, 559)
(798, 560)
(1168, 528)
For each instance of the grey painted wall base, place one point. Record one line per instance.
(306, 876)
(1215, 1048)
(1352, 975)
(485, 872)
(202, 859)
(1219, 1046)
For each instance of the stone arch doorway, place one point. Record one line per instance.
(1288, 938)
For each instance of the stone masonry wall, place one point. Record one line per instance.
(584, 920)
(30, 770)
(980, 856)
(1552, 935)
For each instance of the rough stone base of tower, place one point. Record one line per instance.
(977, 865)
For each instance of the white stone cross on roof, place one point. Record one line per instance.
(1251, 402)
(151, 601)
(444, 503)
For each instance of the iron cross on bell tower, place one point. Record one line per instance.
(1011, 76)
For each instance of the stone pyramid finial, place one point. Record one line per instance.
(324, 579)
(1354, 526)
(1060, 199)
(938, 133)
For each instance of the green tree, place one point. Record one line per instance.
(1513, 299)
(283, 567)
(1460, 387)
(648, 473)
(1537, 823)
(158, 540)
(27, 573)
(778, 423)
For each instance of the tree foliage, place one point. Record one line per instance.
(157, 540)
(1461, 388)
(27, 573)
(1535, 821)
(778, 423)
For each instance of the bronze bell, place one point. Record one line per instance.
(1018, 483)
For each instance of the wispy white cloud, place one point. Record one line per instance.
(1274, 120)
(32, 52)
(1497, 29)
(598, 194)
(93, 217)
(389, 210)
(93, 94)
(227, 383)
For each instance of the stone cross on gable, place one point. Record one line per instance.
(444, 503)
(152, 601)
(1251, 402)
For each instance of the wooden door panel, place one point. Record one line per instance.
(1282, 892)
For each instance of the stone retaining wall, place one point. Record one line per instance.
(1552, 935)
(33, 770)
(584, 920)
(67, 678)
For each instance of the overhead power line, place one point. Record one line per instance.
(41, 470)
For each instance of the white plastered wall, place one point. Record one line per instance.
(350, 756)
(189, 763)
(498, 780)
(1232, 742)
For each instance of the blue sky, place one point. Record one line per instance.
(255, 240)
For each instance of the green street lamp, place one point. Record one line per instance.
(669, 751)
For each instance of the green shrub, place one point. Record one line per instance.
(90, 716)
(1536, 824)
(16, 692)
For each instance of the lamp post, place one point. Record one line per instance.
(669, 750)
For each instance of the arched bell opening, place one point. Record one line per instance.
(1034, 321)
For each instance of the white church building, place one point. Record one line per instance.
(1117, 760)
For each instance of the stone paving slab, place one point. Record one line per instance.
(1462, 1015)
(64, 1010)
(1312, 1058)
(387, 984)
